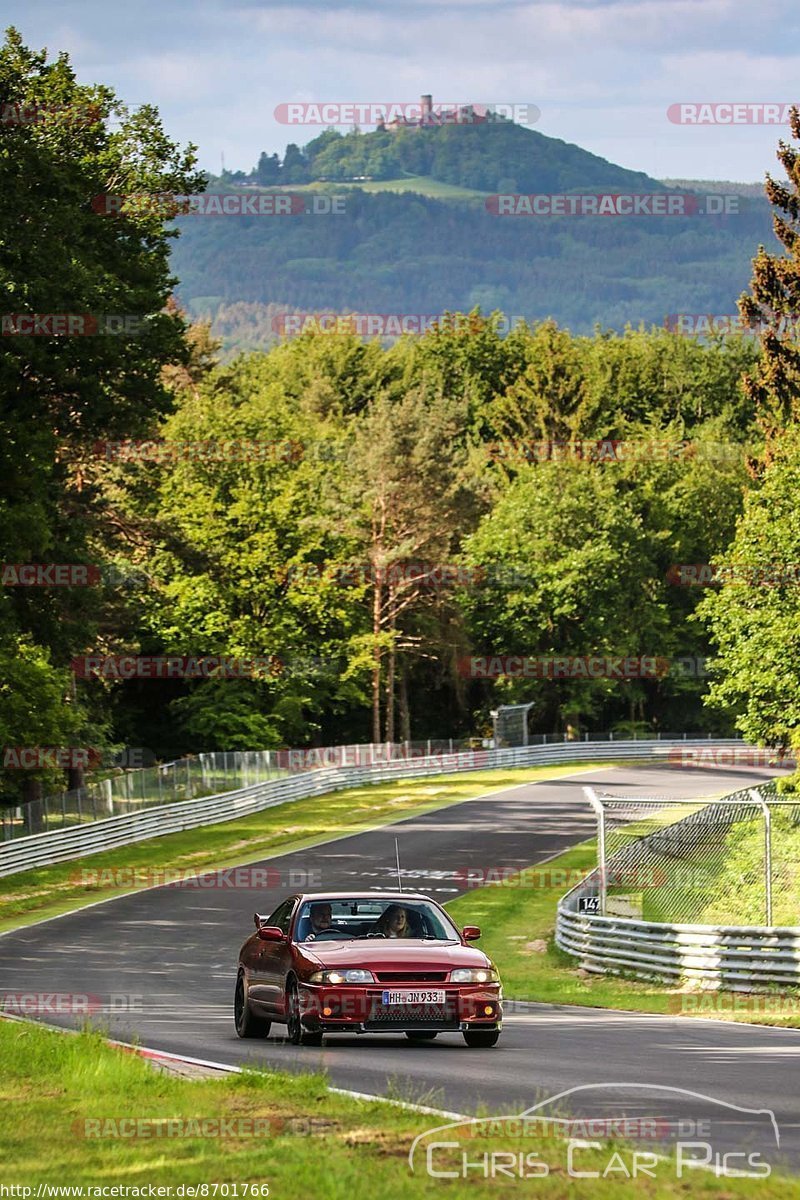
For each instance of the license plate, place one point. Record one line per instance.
(431, 997)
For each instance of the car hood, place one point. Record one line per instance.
(394, 954)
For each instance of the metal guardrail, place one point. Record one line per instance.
(736, 957)
(42, 849)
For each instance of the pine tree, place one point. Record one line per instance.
(774, 301)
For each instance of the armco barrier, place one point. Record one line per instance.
(734, 957)
(42, 849)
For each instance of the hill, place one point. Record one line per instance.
(498, 156)
(420, 237)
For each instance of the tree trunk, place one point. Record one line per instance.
(405, 713)
(76, 778)
(33, 805)
(376, 669)
(390, 673)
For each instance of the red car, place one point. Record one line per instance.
(387, 962)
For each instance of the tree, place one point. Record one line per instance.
(268, 170)
(569, 572)
(774, 297)
(754, 616)
(64, 256)
(37, 710)
(294, 168)
(408, 506)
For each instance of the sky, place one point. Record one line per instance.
(603, 73)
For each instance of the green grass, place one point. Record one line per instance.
(422, 185)
(517, 919)
(49, 891)
(308, 1141)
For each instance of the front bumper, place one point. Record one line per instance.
(359, 1009)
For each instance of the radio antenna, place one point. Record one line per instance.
(397, 860)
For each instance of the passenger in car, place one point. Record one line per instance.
(394, 923)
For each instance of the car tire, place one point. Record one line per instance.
(420, 1035)
(477, 1038)
(247, 1025)
(295, 1033)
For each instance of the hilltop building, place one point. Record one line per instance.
(429, 118)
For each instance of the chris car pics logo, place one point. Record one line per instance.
(693, 1131)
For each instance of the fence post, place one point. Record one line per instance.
(600, 813)
(756, 795)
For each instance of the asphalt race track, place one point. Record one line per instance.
(171, 952)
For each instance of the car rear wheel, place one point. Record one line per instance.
(247, 1025)
(481, 1037)
(420, 1035)
(294, 1028)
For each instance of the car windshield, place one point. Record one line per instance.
(372, 917)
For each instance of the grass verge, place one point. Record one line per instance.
(49, 891)
(517, 918)
(64, 1098)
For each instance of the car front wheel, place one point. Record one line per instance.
(247, 1025)
(294, 1028)
(481, 1037)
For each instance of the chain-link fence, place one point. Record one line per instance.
(510, 722)
(735, 861)
(133, 791)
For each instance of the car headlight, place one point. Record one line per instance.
(474, 975)
(352, 976)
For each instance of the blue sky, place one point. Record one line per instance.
(602, 72)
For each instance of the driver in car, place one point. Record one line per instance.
(321, 919)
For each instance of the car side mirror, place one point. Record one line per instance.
(471, 933)
(270, 933)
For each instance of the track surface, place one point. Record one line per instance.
(176, 948)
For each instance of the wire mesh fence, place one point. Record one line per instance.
(735, 861)
(133, 791)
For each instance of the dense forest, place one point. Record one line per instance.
(392, 253)
(369, 540)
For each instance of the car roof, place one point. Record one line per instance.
(355, 894)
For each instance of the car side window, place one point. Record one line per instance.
(282, 916)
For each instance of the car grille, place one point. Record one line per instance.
(406, 1016)
(411, 976)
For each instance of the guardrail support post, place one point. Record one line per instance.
(756, 795)
(597, 805)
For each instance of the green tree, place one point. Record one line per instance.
(62, 253)
(774, 297)
(754, 615)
